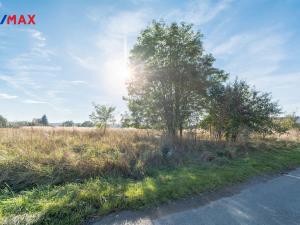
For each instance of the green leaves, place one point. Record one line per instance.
(236, 106)
(3, 122)
(102, 116)
(171, 76)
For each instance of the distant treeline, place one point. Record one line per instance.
(43, 121)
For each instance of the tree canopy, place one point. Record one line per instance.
(236, 106)
(171, 76)
(68, 123)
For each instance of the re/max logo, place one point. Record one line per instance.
(17, 19)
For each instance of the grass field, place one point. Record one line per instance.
(63, 176)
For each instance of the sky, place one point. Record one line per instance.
(76, 53)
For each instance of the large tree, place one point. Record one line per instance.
(171, 75)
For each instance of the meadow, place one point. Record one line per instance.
(66, 175)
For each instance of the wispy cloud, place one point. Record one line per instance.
(77, 82)
(20, 83)
(31, 101)
(30, 70)
(7, 96)
(108, 61)
(89, 63)
(252, 54)
(200, 12)
(117, 32)
(258, 56)
(121, 29)
(39, 73)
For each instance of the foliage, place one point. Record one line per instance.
(68, 123)
(126, 121)
(87, 124)
(236, 106)
(286, 123)
(18, 124)
(3, 122)
(103, 116)
(44, 120)
(69, 157)
(171, 76)
(61, 176)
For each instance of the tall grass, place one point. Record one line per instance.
(56, 155)
(62, 175)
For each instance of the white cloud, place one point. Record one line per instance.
(200, 12)
(258, 56)
(31, 101)
(77, 82)
(229, 46)
(20, 83)
(7, 96)
(252, 54)
(128, 23)
(30, 70)
(37, 35)
(89, 62)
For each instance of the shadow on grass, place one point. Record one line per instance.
(73, 203)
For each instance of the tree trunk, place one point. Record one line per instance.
(180, 131)
(104, 129)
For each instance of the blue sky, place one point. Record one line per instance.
(76, 52)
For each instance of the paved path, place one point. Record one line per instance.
(267, 201)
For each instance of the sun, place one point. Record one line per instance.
(117, 74)
(116, 68)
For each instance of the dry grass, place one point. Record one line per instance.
(291, 135)
(77, 172)
(45, 155)
(30, 156)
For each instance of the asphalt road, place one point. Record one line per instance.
(265, 201)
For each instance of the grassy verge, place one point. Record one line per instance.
(71, 203)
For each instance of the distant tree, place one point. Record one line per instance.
(282, 125)
(87, 124)
(3, 122)
(36, 122)
(18, 124)
(68, 123)
(171, 76)
(102, 116)
(44, 120)
(126, 120)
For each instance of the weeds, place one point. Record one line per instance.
(62, 176)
